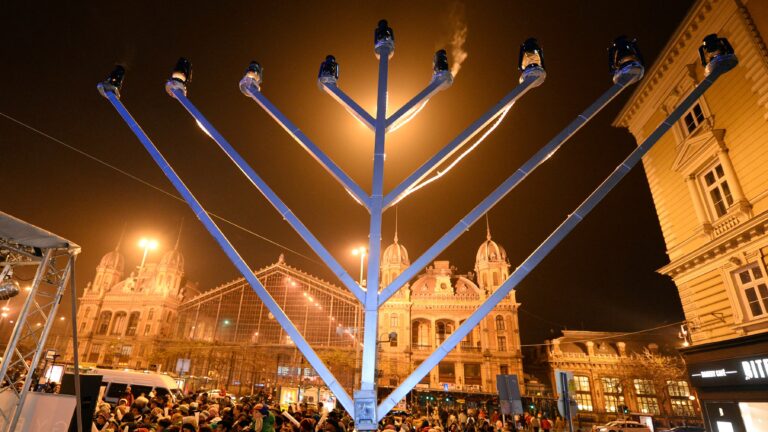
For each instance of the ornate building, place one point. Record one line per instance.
(121, 320)
(424, 313)
(709, 183)
(617, 374)
(152, 318)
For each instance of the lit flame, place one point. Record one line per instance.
(459, 36)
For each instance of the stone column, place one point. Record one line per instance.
(701, 215)
(733, 182)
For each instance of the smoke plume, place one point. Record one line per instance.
(458, 25)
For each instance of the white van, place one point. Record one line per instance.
(116, 380)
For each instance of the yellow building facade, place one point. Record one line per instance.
(709, 181)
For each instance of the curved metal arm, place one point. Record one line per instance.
(250, 89)
(352, 107)
(531, 78)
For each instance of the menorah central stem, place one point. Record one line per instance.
(368, 374)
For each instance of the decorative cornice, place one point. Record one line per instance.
(718, 248)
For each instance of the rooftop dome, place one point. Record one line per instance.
(395, 254)
(172, 258)
(113, 260)
(490, 251)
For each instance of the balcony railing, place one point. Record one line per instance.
(418, 347)
(469, 347)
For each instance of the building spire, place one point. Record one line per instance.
(487, 228)
(395, 224)
(122, 236)
(178, 238)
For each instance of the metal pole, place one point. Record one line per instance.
(624, 77)
(530, 79)
(352, 107)
(438, 82)
(250, 89)
(719, 66)
(75, 347)
(231, 253)
(566, 400)
(178, 91)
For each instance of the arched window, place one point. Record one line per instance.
(500, 325)
(151, 314)
(87, 312)
(118, 323)
(133, 323)
(443, 329)
(104, 320)
(393, 320)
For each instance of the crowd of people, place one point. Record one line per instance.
(201, 412)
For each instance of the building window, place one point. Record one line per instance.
(93, 356)
(393, 320)
(680, 393)
(752, 284)
(614, 396)
(125, 354)
(583, 396)
(133, 324)
(495, 279)
(502, 342)
(444, 329)
(392, 339)
(693, 118)
(104, 320)
(151, 314)
(504, 369)
(717, 190)
(118, 323)
(446, 372)
(147, 329)
(500, 326)
(646, 396)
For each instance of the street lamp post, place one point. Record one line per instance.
(146, 244)
(362, 252)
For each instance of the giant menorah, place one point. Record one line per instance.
(626, 66)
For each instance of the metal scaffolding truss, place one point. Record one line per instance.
(626, 66)
(22, 244)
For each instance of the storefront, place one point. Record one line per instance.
(731, 380)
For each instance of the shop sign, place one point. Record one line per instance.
(743, 371)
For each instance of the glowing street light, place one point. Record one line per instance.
(147, 245)
(362, 251)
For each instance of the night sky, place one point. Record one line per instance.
(602, 277)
